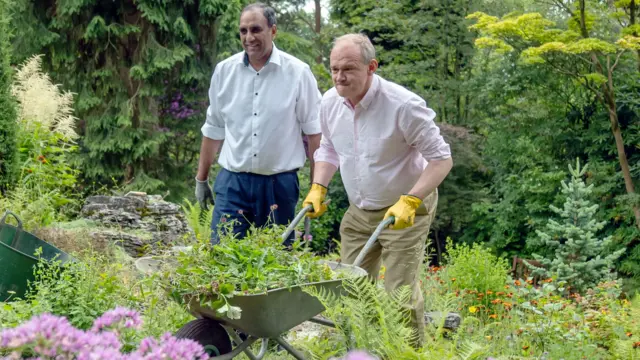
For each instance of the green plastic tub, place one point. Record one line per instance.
(18, 259)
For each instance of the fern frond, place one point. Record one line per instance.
(471, 350)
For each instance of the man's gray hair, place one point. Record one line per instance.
(367, 50)
(267, 11)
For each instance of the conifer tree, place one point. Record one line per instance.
(570, 247)
(8, 112)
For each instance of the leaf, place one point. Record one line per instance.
(629, 42)
(226, 289)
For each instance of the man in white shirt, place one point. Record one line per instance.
(391, 158)
(262, 101)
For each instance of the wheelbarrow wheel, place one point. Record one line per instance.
(211, 335)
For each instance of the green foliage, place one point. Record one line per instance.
(129, 132)
(251, 265)
(369, 318)
(476, 268)
(45, 190)
(569, 248)
(82, 290)
(8, 113)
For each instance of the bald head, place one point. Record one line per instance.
(361, 42)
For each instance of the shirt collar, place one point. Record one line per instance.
(369, 95)
(274, 58)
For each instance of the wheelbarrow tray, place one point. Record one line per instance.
(18, 259)
(269, 314)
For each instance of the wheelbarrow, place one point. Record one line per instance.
(18, 258)
(265, 317)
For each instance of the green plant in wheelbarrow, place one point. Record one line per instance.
(253, 265)
(253, 286)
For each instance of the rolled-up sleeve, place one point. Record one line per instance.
(213, 127)
(308, 103)
(420, 130)
(326, 152)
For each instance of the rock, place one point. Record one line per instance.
(140, 223)
(451, 322)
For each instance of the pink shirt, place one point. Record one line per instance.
(382, 145)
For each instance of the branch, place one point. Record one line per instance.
(312, 26)
(578, 76)
(615, 63)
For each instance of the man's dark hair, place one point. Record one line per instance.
(267, 11)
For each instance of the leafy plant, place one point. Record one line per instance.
(368, 317)
(254, 264)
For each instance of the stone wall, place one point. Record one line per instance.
(138, 222)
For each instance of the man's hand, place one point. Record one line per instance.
(316, 197)
(204, 193)
(404, 212)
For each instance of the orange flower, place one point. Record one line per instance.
(518, 283)
(493, 316)
(500, 293)
(530, 281)
(525, 347)
(636, 344)
(496, 301)
(489, 292)
(453, 279)
(510, 295)
(629, 334)
(506, 287)
(548, 280)
(507, 305)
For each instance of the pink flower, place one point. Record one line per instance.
(274, 207)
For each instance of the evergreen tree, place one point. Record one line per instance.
(570, 246)
(8, 111)
(140, 71)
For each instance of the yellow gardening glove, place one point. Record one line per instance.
(404, 212)
(316, 197)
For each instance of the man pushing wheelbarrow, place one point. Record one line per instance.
(391, 158)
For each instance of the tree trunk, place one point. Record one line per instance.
(317, 30)
(609, 97)
(632, 21)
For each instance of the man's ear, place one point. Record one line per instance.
(274, 30)
(373, 66)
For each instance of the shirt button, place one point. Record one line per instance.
(255, 155)
(256, 93)
(255, 134)
(255, 114)
(257, 73)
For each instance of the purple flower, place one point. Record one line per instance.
(130, 318)
(51, 337)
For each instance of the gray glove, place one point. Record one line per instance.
(204, 193)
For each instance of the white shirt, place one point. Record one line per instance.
(261, 115)
(382, 145)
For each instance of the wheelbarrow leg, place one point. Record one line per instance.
(289, 348)
(263, 347)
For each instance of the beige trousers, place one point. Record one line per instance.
(401, 251)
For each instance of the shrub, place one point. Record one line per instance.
(476, 268)
(45, 189)
(8, 147)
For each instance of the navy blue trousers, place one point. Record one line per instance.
(245, 199)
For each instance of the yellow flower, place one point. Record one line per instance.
(472, 309)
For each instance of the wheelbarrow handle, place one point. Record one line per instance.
(297, 219)
(386, 222)
(7, 213)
